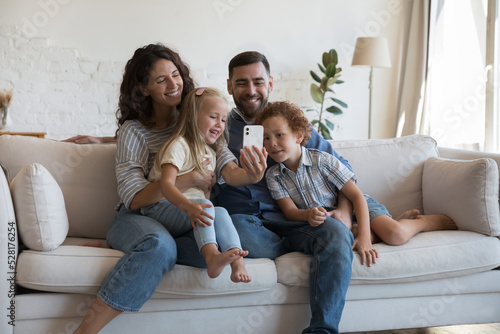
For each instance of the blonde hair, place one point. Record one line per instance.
(187, 126)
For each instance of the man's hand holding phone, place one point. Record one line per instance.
(253, 156)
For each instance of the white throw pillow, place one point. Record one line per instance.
(40, 211)
(464, 190)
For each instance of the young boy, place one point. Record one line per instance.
(306, 182)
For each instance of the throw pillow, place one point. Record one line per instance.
(40, 211)
(464, 190)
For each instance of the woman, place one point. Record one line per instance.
(154, 84)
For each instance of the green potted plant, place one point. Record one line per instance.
(320, 90)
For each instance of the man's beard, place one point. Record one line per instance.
(254, 112)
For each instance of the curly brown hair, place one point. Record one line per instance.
(132, 104)
(293, 115)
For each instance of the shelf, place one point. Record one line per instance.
(30, 134)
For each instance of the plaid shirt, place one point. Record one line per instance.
(319, 177)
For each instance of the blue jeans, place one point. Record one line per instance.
(150, 252)
(177, 222)
(330, 247)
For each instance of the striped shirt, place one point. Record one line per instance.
(319, 178)
(136, 149)
(225, 157)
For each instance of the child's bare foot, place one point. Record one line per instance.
(410, 214)
(438, 222)
(217, 263)
(95, 243)
(239, 273)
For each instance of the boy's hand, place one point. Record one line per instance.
(196, 214)
(316, 216)
(365, 249)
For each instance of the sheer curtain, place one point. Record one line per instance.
(457, 79)
(449, 74)
(413, 73)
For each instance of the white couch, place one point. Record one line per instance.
(437, 278)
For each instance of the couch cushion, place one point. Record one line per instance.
(41, 215)
(7, 217)
(85, 173)
(464, 190)
(79, 269)
(390, 170)
(8, 240)
(427, 256)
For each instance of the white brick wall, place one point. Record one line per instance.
(55, 90)
(58, 92)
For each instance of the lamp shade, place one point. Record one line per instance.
(371, 51)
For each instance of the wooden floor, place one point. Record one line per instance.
(463, 329)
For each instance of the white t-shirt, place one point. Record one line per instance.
(178, 154)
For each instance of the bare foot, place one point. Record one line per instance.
(239, 273)
(410, 214)
(95, 243)
(217, 263)
(438, 222)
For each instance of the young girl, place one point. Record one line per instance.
(197, 137)
(306, 182)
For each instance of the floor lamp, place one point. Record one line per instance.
(372, 52)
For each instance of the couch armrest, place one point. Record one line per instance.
(8, 257)
(452, 153)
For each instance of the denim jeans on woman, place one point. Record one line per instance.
(150, 252)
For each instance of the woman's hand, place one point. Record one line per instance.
(255, 169)
(196, 214)
(197, 179)
(82, 139)
(316, 216)
(365, 249)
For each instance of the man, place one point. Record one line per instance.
(257, 217)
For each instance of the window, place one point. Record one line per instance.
(462, 90)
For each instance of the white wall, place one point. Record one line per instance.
(64, 58)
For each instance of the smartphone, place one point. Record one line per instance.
(253, 135)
